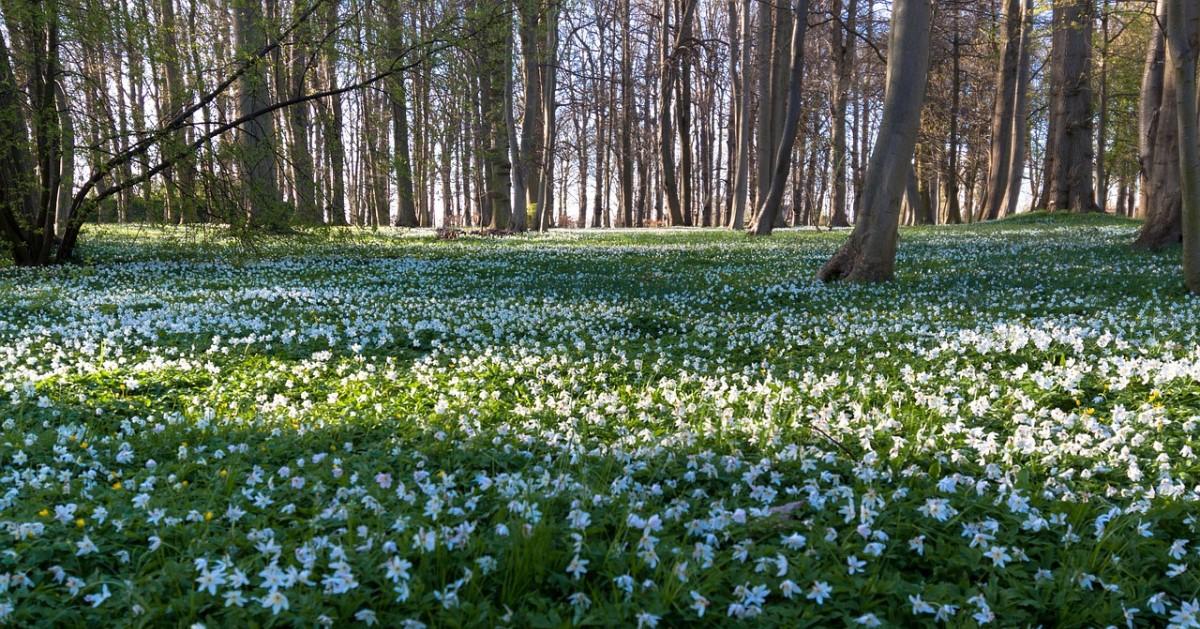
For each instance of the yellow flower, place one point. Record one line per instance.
(117, 485)
(208, 516)
(45, 513)
(79, 523)
(83, 445)
(223, 473)
(185, 484)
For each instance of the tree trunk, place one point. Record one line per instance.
(950, 163)
(769, 211)
(1071, 175)
(545, 201)
(182, 177)
(742, 178)
(303, 174)
(1182, 42)
(1161, 185)
(1020, 125)
(844, 40)
(263, 204)
(627, 115)
(670, 49)
(1003, 115)
(870, 253)
(1149, 105)
(1103, 102)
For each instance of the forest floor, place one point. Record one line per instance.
(631, 428)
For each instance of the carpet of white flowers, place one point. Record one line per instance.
(638, 429)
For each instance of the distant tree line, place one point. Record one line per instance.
(532, 114)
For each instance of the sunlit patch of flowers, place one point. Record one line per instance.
(637, 429)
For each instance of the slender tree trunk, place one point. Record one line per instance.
(545, 202)
(1020, 125)
(769, 211)
(950, 163)
(844, 40)
(1153, 77)
(742, 178)
(263, 203)
(671, 48)
(1003, 116)
(1103, 102)
(303, 174)
(627, 116)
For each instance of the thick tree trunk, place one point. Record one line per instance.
(870, 254)
(1161, 185)
(495, 61)
(406, 211)
(1072, 187)
(1183, 41)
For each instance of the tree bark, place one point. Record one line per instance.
(769, 211)
(1182, 41)
(670, 49)
(1003, 115)
(1020, 112)
(870, 253)
(1072, 187)
(742, 177)
(844, 39)
(263, 204)
(1161, 185)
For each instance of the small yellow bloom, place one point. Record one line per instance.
(223, 473)
(185, 483)
(117, 485)
(45, 513)
(83, 445)
(79, 522)
(208, 516)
